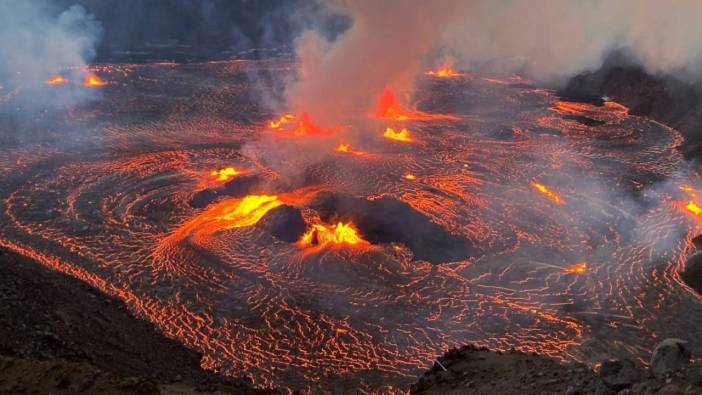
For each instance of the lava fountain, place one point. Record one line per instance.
(444, 72)
(402, 135)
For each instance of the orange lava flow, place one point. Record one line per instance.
(580, 267)
(93, 81)
(340, 233)
(402, 135)
(388, 108)
(229, 214)
(693, 208)
(224, 174)
(248, 211)
(444, 72)
(548, 193)
(410, 176)
(58, 79)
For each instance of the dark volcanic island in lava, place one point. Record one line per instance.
(335, 214)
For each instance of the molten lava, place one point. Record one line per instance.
(444, 72)
(548, 193)
(303, 127)
(57, 80)
(224, 174)
(340, 233)
(686, 188)
(388, 108)
(410, 176)
(580, 267)
(281, 121)
(693, 208)
(402, 135)
(91, 80)
(248, 211)
(345, 148)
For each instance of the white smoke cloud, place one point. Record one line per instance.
(391, 41)
(384, 46)
(38, 44)
(551, 40)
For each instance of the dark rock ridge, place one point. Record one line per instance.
(670, 355)
(388, 220)
(664, 98)
(74, 334)
(476, 370)
(284, 223)
(692, 272)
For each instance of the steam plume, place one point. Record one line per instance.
(548, 40)
(37, 45)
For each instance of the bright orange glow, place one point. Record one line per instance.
(580, 267)
(281, 121)
(686, 188)
(693, 208)
(303, 127)
(444, 72)
(345, 148)
(338, 234)
(248, 211)
(58, 79)
(402, 135)
(92, 80)
(410, 176)
(388, 108)
(224, 174)
(548, 193)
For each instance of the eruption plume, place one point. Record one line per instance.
(43, 48)
(388, 108)
(336, 77)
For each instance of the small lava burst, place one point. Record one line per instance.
(388, 108)
(340, 233)
(547, 192)
(693, 208)
(444, 72)
(346, 149)
(248, 211)
(402, 135)
(686, 188)
(410, 176)
(303, 127)
(578, 268)
(277, 124)
(224, 174)
(56, 80)
(93, 81)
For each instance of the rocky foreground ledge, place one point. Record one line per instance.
(58, 335)
(475, 370)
